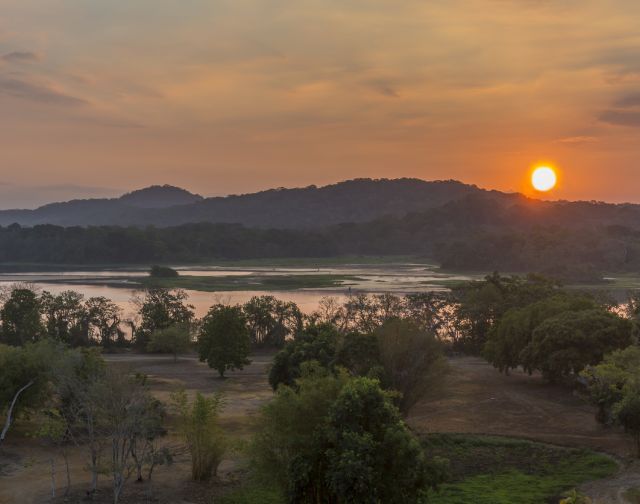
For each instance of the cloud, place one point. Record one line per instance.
(37, 93)
(20, 57)
(629, 101)
(576, 140)
(621, 118)
(384, 88)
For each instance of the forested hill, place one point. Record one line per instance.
(478, 232)
(358, 200)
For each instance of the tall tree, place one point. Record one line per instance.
(20, 318)
(160, 309)
(224, 341)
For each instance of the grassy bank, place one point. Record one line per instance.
(250, 282)
(495, 470)
(489, 470)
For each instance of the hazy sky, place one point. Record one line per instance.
(230, 96)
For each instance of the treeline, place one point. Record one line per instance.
(567, 241)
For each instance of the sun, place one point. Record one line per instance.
(544, 178)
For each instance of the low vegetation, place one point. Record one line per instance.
(493, 470)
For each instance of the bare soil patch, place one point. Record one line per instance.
(475, 398)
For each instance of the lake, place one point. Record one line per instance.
(119, 284)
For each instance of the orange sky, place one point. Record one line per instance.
(229, 96)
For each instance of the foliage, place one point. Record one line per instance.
(20, 318)
(335, 438)
(160, 309)
(606, 381)
(458, 226)
(479, 305)
(66, 317)
(365, 453)
(316, 343)
(359, 354)
(162, 272)
(288, 423)
(575, 497)
(199, 425)
(254, 493)
(271, 321)
(499, 470)
(25, 377)
(627, 411)
(126, 412)
(412, 360)
(564, 345)
(174, 339)
(224, 341)
(513, 332)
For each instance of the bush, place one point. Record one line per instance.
(172, 340)
(198, 424)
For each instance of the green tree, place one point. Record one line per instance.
(627, 411)
(288, 423)
(607, 380)
(271, 321)
(160, 309)
(20, 318)
(25, 378)
(224, 341)
(566, 344)
(513, 332)
(359, 354)
(65, 317)
(412, 360)
(479, 305)
(316, 343)
(173, 340)
(365, 453)
(104, 318)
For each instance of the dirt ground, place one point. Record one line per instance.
(474, 398)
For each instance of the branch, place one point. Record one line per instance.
(7, 423)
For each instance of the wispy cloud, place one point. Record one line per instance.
(37, 92)
(574, 140)
(20, 57)
(628, 101)
(621, 118)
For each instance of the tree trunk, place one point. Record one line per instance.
(53, 478)
(9, 419)
(66, 465)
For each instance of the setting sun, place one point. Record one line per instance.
(544, 179)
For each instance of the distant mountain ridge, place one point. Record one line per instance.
(358, 200)
(157, 196)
